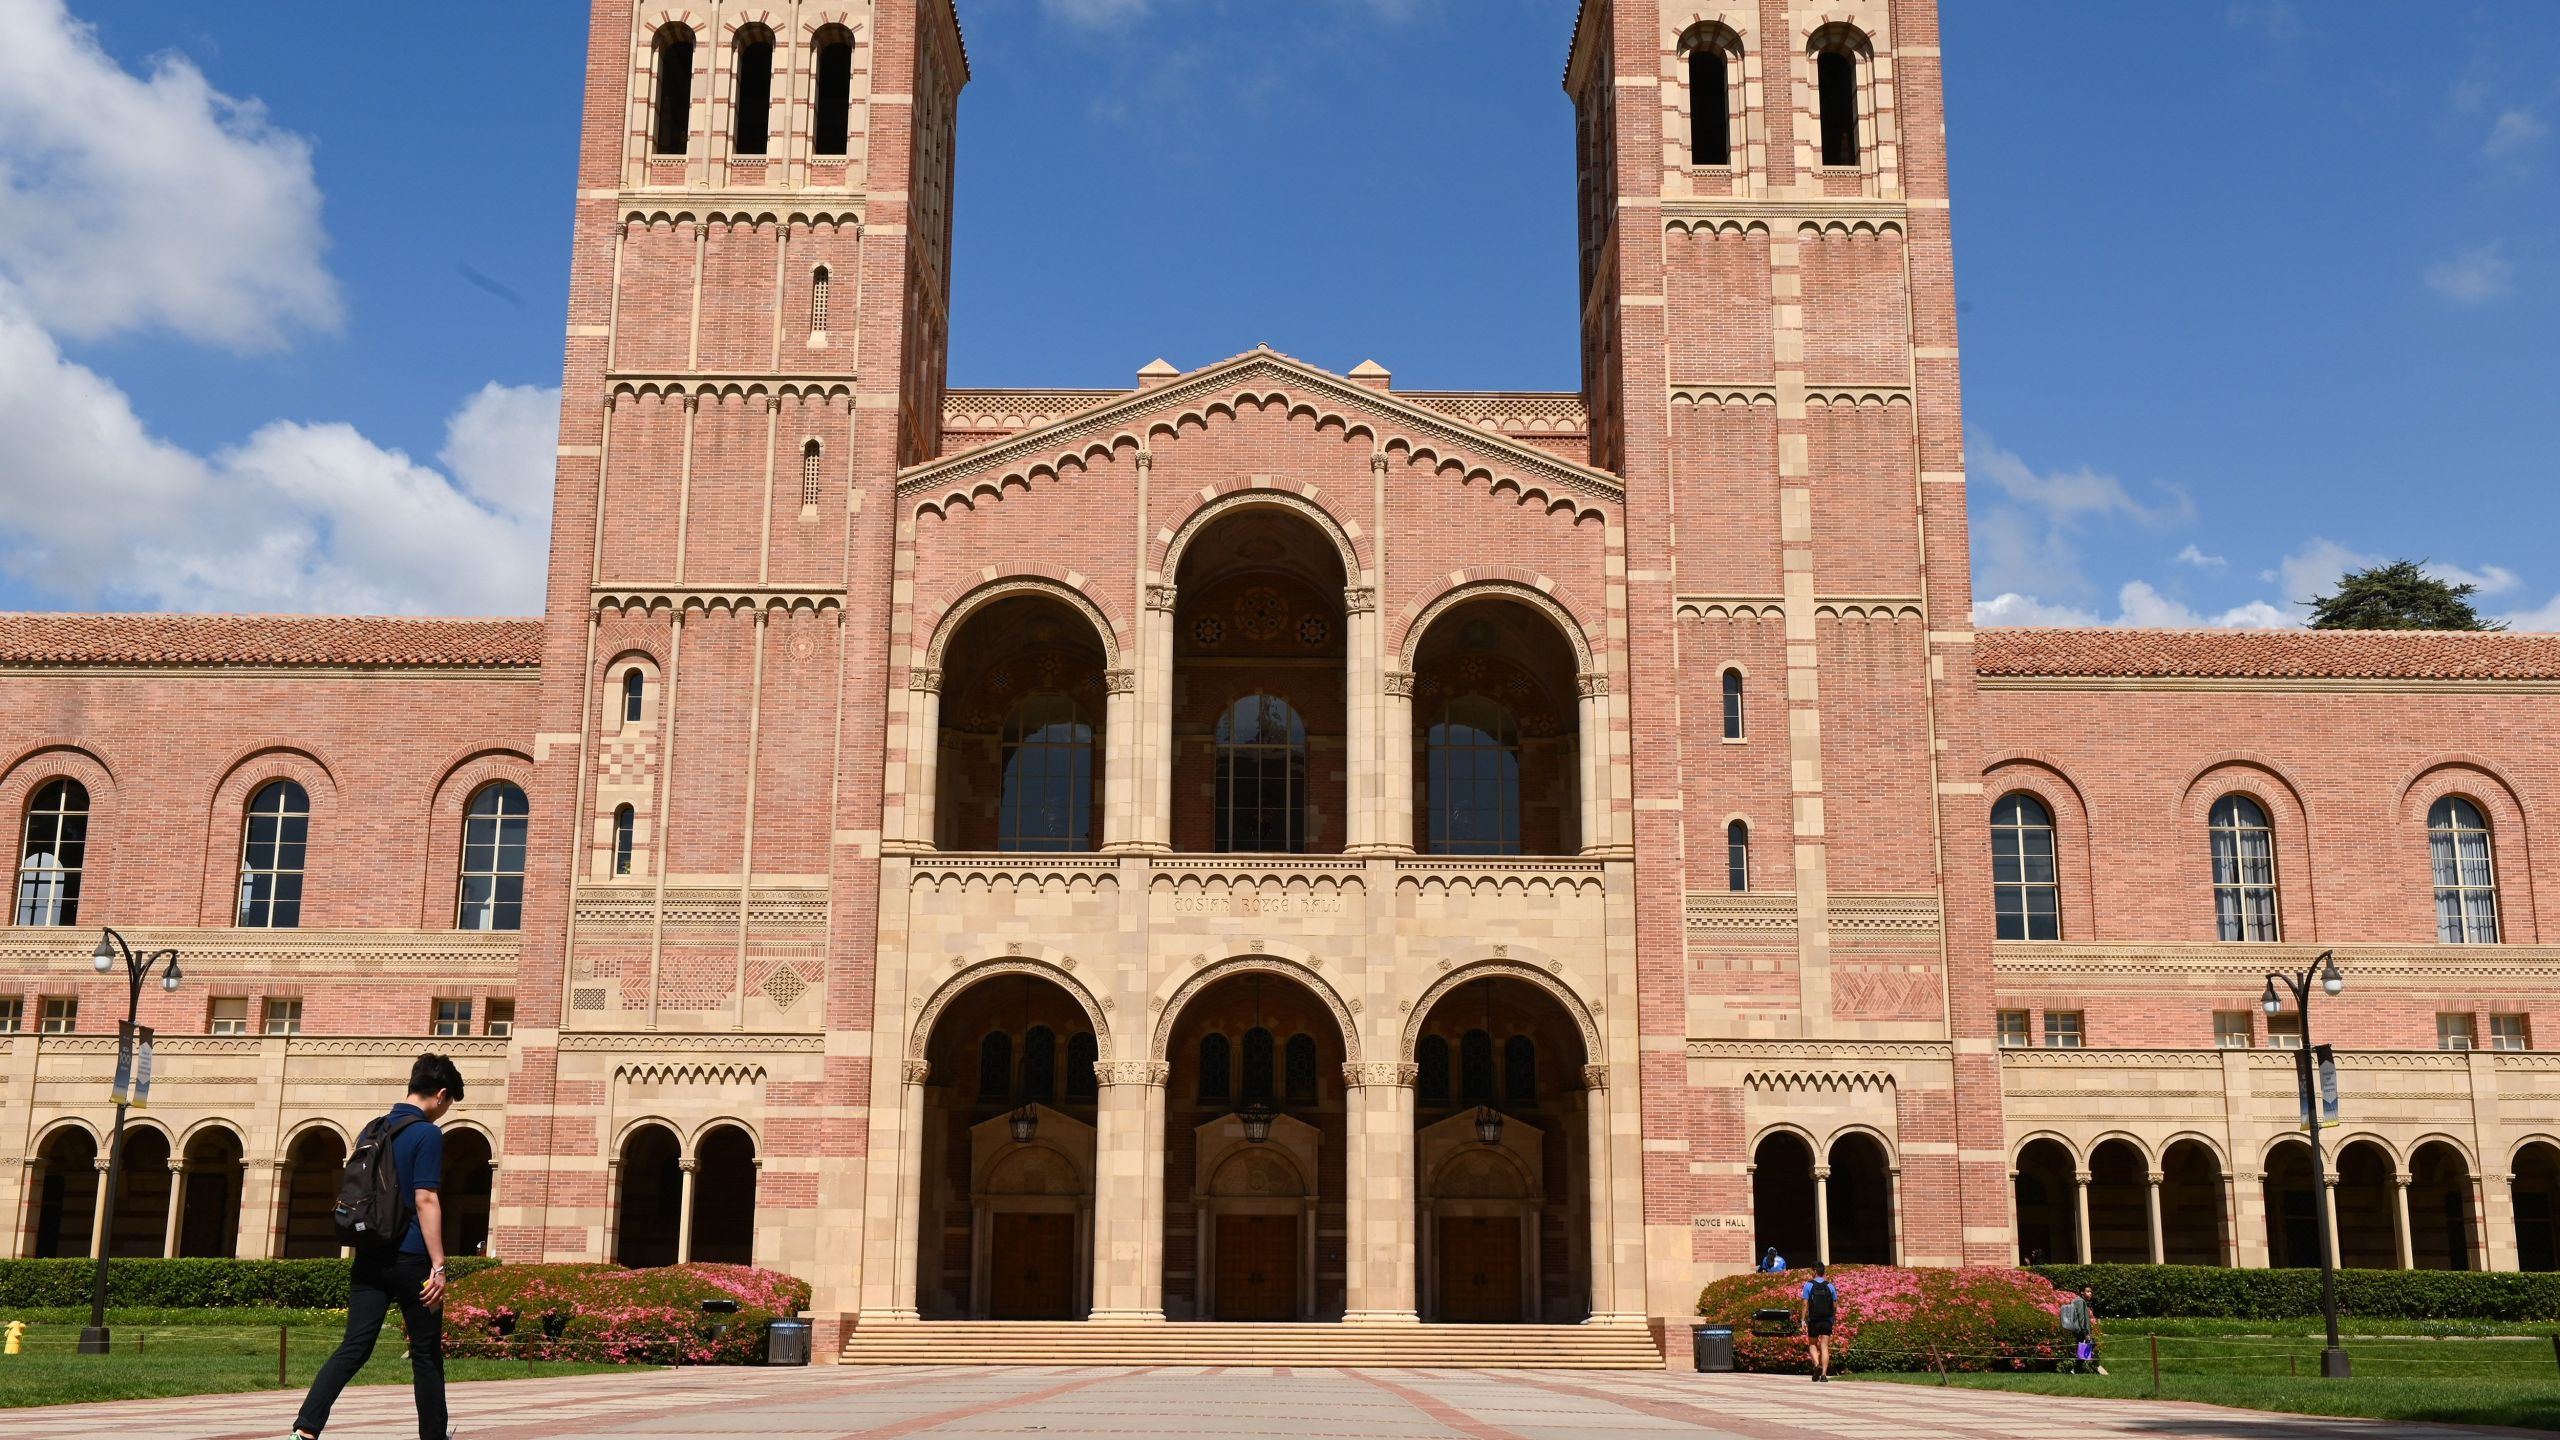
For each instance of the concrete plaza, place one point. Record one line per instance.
(1230, 1403)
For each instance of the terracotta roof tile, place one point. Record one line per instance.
(2269, 654)
(320, 640)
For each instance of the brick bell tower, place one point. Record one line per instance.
(1769, 356)
(756, 343)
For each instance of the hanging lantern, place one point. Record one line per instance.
(1026, 1123)
(1489, 1125)
(1256, 1119)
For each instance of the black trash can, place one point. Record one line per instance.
(786, 1342)
(1711, 1348)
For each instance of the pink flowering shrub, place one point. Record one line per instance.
(607, 1313)
(1891, 1318)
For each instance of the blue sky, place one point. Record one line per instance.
(2245, 298)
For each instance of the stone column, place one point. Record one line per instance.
(1364, 688)
(177, 1207)
(98, 1214)
(2329, 1202)
(2159, 1240)
(267, 1211)
(684, 1214)
(1893, 1212)
(1380, 1189)
(1128, 1190)
(1591, 739)
(613, 1209)
(1595, 1138)
(924, 754)
(910, 1195)
(1155, 722)
(1822, 1214)
(1120, 747)
(2408, 1253)
(1395, 754)
(2080, 1212)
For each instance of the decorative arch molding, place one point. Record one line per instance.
(188, 1136)
(38, 761)
(474, 770)
(1249, 496)
(2337, 1151)
(1075, 596)
(695, 391)
(1699, 225)
(2485, 784)
(294, 1132)
(487, 1136)
(2150, 1161)
(693, 1143)
(1818, 1081)
(1594, 1050)
(1762, 1136)
(2515, 1152)
(2211, 1147)
(2470, 1159)
(622, 1137)
(226, 819)
(2075, 834)
(257, 764)
(1866, 229)
(1040, 961)
(2276, 790)
(2467, 775)
(2233, 772)
(1857, 1130)
(2017, 1152)
(656, 1072)
(1535, 592)
(1525, 1183)
(1266, 958)
(705, 602)
(46, 1132)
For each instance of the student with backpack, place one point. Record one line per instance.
(1820, 1304)
(2080, 1329)
(389, 1214)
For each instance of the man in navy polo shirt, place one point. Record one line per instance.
(410, 1274)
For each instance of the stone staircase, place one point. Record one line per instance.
(1615, 1345)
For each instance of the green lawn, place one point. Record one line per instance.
(2263, 1366)
(180, 1353)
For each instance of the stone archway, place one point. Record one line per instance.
(2192, 1225)
(2367, 1202)
(66, 1194)
(469, 1177)
(313, 1165)
(1031, 1219)
(648, 1198)
(1860, 1201)
(1482, 1240)
(724, 1197)
(2293, 1233)
(1256, 1205)
(2535, 1188)
(2444, 1230)
(1782, 1200)
(139, 1229)
(2119, 1204)
(209, 1194)
(2047, 1196)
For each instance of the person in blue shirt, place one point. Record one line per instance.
(1773, 1263)
(1820, 1306)
(409, 1274)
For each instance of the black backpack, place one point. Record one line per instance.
(373, 1207)
(1819, 1298)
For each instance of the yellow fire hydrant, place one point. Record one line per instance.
(17, 1328)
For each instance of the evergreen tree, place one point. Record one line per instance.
(2397, 596)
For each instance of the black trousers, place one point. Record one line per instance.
(376, 1285)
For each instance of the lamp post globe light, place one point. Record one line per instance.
(2323, 972)
(137, 968)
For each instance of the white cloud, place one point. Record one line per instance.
(92, 158)
(1095, 13)
(2137, 604)
(2474, 276)
(2027, 531)
(2545, 616)
(2488, 579)
(2193, 556)
(2513, 133)
(2276, 19)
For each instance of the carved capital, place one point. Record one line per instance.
(1593, 686)
(1145, 459)
(1821, 1172)
(919, 1071)
(1400, 684)
(1153, 1073)
(686, 1165)
(1379, 1073)
(1160, 597)
(1595, 1077)
(1378, 462)
(1119, 682)
(925, 678)
(1359, 599)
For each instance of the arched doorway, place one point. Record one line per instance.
(1502, 1153)
(140, 1227)
(2191, 1219)
(2443, 1231)
(2293, 1226)
(209, 1195)
(1496, 763)
(1782, 1199)
(1252, 1229)
(66, 1194)
(2119, 1204)
(2048, 1203)
(313, 1165)
(724, 1197)
(466, 1185)
(1860, 1201)
(648, 1198)
(2368, 1227)
(1005, 1212)
(1259, 703)
(2535, 1189)
(1020, 754)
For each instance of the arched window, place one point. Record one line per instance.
(1836, 81)
(1474, 780)
(753, 102)
(818, 303)
(831, 124)
(1737, 856)
(1710, 101)
(2466, 885)
(1047, 800)
(271, 856)
(624, 823)
(1040, 1064)
(1475, 1068)
(1255, 1083)
(1733, 704)
(634, 686)
(1298, 1062)
(50, 860)
(675, 89)
(493, 860)
(1431, 1067)
(2244, 871)
(1520, 1071)
(995, 1067)
(1082, 1083)
(1216, 1084)
(810, 459)
(2026, 895)
(1261, 792)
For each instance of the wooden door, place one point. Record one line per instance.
(1257, 1267)
(1033, 1263)
(1480, 1269)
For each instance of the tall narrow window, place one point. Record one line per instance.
(1298, 1066)
(1836, 72)
(2466, 885)
(1216, 1081)
(1040, 1063)
(493, 860)
(1474, 780)
(1431, 1079)
(1733, 705)
(271, 856)
(1261, 788)
(832, 123)
(1710, 105)
(1520, 1071)
(1737, 856)
(995, 1068)
(2025, 893)
(624, 823)
(1255, 1083)
(675, 89)
(634, 686)
(753, 103)
(818, 287)
(49, 863)
(810, 459)
(1047, 800)
(1475, 1067)
(2244, 870)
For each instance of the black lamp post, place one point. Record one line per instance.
(137, 968)
(2333, 1360)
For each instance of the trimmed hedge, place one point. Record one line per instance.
(1892, 1318)
(606, 1313)
(2210, 1291)
(193, 1284)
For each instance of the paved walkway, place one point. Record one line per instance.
(949, 1402)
